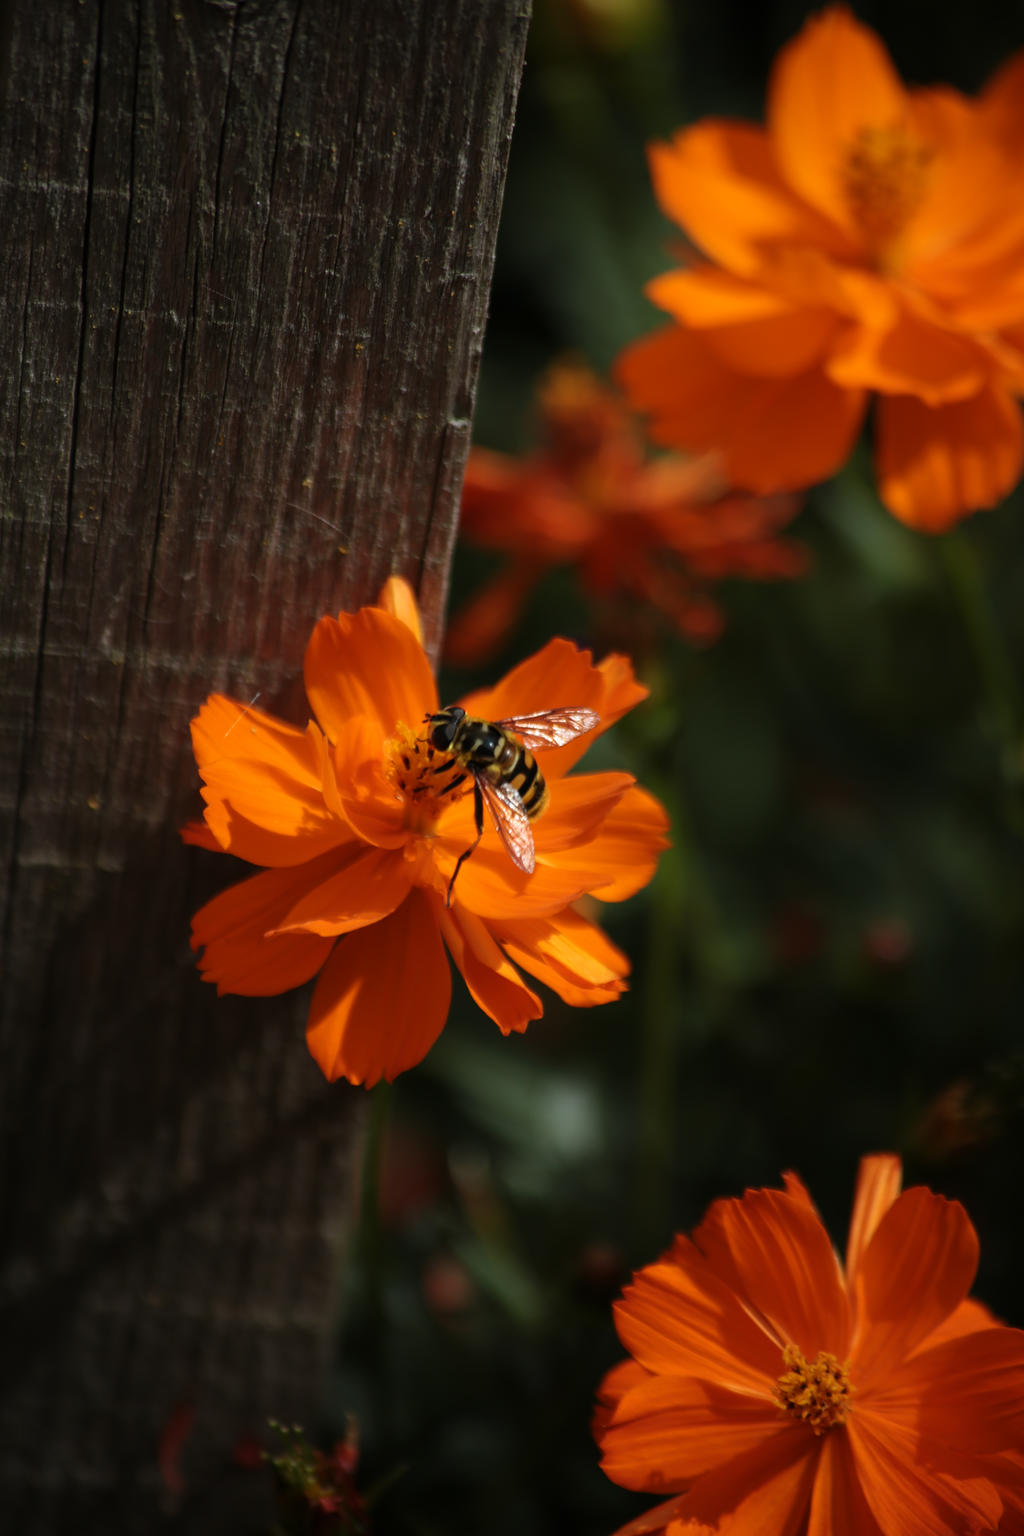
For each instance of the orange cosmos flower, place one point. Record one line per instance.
(360, 836)
(868, 243)
(590, 498)
(779, 1394)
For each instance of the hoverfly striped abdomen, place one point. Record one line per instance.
(524, 775)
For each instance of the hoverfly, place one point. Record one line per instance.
(497, 755)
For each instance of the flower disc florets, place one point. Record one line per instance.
(816, 1391)
(884, 178)
(427, 780)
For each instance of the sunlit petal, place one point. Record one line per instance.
(382, 999)
(398, 599)
(783, 1264)
(232, 931)
(879, 1181)
(669, 1430)
(697, 401)
(493, 981)
(367, 663)
(937, 464)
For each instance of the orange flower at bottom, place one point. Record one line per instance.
(656, 533)
(360, 826)
(777, 1393)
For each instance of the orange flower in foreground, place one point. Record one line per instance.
(868, 243)
(590, 498)
(780, 1395)
(361, 846)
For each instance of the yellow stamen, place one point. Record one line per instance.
(817, 1392)
(885, 178)
(426, 779)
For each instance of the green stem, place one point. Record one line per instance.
(995, 670)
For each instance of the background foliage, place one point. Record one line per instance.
(830, 959)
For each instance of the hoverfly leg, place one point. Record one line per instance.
(478, 818)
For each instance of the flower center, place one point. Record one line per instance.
(428, 780)
(817, 1391)
(885, 177)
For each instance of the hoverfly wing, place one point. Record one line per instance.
(506, 807)
(551, 728)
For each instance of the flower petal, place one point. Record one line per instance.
(698, 402)
(969, 1317)
(228, 735)
(370, 884)
(797, 1190)
(232, 930)
(915, 357)
(493, 981)
(966, 1392)
(752, 328)
(489, 884)
(838, 1505)
(398, 598)
(382, 999)
(783, 1265)
(538, 507)
(720, 181)
(879, 1180)
(357, 786)
(682, 1317)
(566, 951)
(660, 1519)
(967, 222)
(620, 856)
(766, 1490)
(916, 1269)
(1006, 1473)
(668, 1430)
(1002, 99)
(617, 859)
(578, 808)
(938, 464)
(834, 79)
(905, 1494)
(615, 1383)
(367, 663)
(198, 835)
(262, 784)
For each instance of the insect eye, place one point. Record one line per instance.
(442, 734)
(443, 731)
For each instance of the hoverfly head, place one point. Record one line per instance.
(443, 727)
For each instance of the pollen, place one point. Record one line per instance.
(425, 778)
(885, 173)
(816, 1391)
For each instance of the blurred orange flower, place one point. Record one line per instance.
(867, 243)
(361, 844)
(775, 1392)
(590, 498)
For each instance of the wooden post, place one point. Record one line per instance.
(246, 256)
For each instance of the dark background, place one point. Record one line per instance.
(830, 960)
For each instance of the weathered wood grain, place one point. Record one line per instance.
(245, 250)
